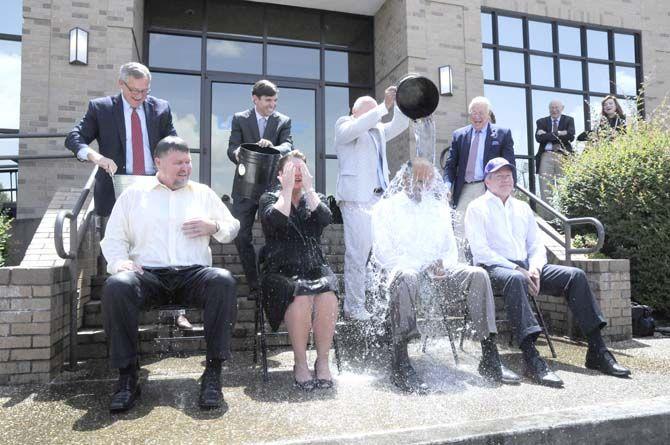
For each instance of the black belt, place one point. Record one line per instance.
(378, 191)
(475, 182)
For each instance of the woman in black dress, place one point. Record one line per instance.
(611, 114)
(297, 284)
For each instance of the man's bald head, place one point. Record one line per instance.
(362, 105)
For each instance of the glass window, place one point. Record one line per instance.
(511, 67)
(539, 36)
(626, 83)
(595, 108)
(242, 19)
(163, 47)
(571, 74)
(542, 70)
(178, 14)
(569, 40)
(291, 61)
(332, 169)
(629, 107)
(10, 83)
(182, 92)
(596, 44)
(599, 77)
(348, 67)
(487, 29)
(347, 31)
(510, 32)
(624, 47)
(487, 64)
(508, 103)
(294, 24)
(11, 19)
(238, 57)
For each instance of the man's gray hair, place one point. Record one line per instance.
(480, 100)
(135, 70)
(360, 101)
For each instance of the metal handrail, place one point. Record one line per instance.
(76, 237)
(32, 135)
(568, 223)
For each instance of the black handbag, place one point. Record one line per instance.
(643, 323)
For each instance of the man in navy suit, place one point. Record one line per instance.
(264, 126)
(471, 148)
(555, 134)
(127, 127)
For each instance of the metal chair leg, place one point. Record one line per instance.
(257, 304)
(542, 325)
(336, 349)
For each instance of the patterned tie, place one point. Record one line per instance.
(554, 126)
(262, 123)
(472, 158)
(138, 144)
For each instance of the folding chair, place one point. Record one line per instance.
(260, 339)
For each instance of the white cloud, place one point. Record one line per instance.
(10, 89)
(224, 48)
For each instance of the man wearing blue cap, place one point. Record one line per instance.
(505, 240)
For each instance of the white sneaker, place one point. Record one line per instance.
(360, 314)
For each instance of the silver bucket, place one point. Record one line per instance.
(123, 182)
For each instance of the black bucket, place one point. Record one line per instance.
(417, 96)
(256, 170)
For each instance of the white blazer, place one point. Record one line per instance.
(357, 152)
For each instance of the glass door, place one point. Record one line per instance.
(228, 98)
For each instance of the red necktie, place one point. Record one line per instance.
(138, 144)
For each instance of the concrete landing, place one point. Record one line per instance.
(363, 408)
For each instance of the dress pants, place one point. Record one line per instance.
(554, 280)
(411, 290)
(356, 217)
(126, 293)
(244, 210)
(550, 171)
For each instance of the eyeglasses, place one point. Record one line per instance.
(135, 91)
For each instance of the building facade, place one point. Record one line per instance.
(206, 54)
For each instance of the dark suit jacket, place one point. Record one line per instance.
(104, 122)
(498, 143)
(565, 123)
(244, 130)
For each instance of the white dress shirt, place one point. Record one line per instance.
(146, 226)
(499, 233)
(412, 235)
(149, 168)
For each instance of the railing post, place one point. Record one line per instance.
(74, 293)
(567, 228)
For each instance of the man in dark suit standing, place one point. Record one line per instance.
(555, 134)
(471, 148)
(127, 127)
(266, 127)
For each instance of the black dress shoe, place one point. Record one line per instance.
(406, 379)
(605, 362)
(538, 371)
(127, 392)
(498, 373)
(210, 389)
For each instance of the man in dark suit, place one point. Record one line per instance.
(127, 127)
(266, 127)
(471, 148)
(554, 133)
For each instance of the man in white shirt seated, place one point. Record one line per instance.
(414, 244)
(157, 250)
(505, 240)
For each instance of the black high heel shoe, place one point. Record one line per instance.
(307, 385)
(321, 383)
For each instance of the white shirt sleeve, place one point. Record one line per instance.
(228, 226)
(348, 129)
(537, 254)
(116, 244)
(83, 152)
(398, 124)
(475, 231)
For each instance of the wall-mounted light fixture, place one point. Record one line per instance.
(78, 46)
(446, 85)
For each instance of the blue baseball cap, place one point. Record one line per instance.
(496, 164)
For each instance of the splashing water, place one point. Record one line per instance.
(424, 134)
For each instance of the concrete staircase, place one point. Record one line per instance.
(154, 331)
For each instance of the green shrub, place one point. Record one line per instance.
(625, 182)
(5, 224)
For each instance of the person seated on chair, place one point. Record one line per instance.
(505, 240)
(415, 247)
(157, 250)
(297, 285)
